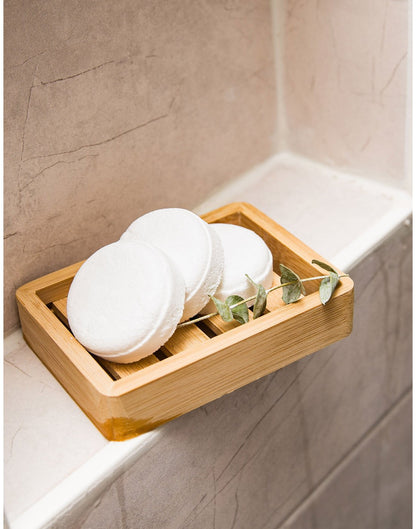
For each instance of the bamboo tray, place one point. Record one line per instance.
(201, 362)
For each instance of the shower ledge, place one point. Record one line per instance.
(56, 463)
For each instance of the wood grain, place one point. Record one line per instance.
(198, 369)
(115, 369)
(182, 339)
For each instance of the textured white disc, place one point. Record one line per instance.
(125, 301)
(244, 253)
(191, 244)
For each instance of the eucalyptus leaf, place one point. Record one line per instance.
(223, 309)
(327, 287)
(293, 291)
(324, 266)
(261, 299)
(240, 313)
(260, 303)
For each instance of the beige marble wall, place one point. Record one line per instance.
(345, 84)
(324, 443)
(116, 108)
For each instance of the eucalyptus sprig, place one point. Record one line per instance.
(235, 307)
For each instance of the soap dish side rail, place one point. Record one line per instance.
(200, 362)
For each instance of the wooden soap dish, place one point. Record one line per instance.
(201, 362)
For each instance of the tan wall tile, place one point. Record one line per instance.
(345, 85)
(115, 109)
(373, 486)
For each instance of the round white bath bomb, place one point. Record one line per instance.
(244, 253)
(125, 301)
(191, 244)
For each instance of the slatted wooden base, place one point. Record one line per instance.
(184, 338)
(200, 362)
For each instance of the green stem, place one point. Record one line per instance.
(207, 316)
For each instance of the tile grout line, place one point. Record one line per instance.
(346, 458)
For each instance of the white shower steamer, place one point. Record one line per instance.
(244, 253)
(191, 244)
(125, 301)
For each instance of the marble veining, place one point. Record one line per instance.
(251, 459)
(286, 405)
(159, 104)
(113, 103)
(254, 457)
(345, 85)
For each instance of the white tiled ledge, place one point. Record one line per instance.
(341, 216)
(56, 462)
